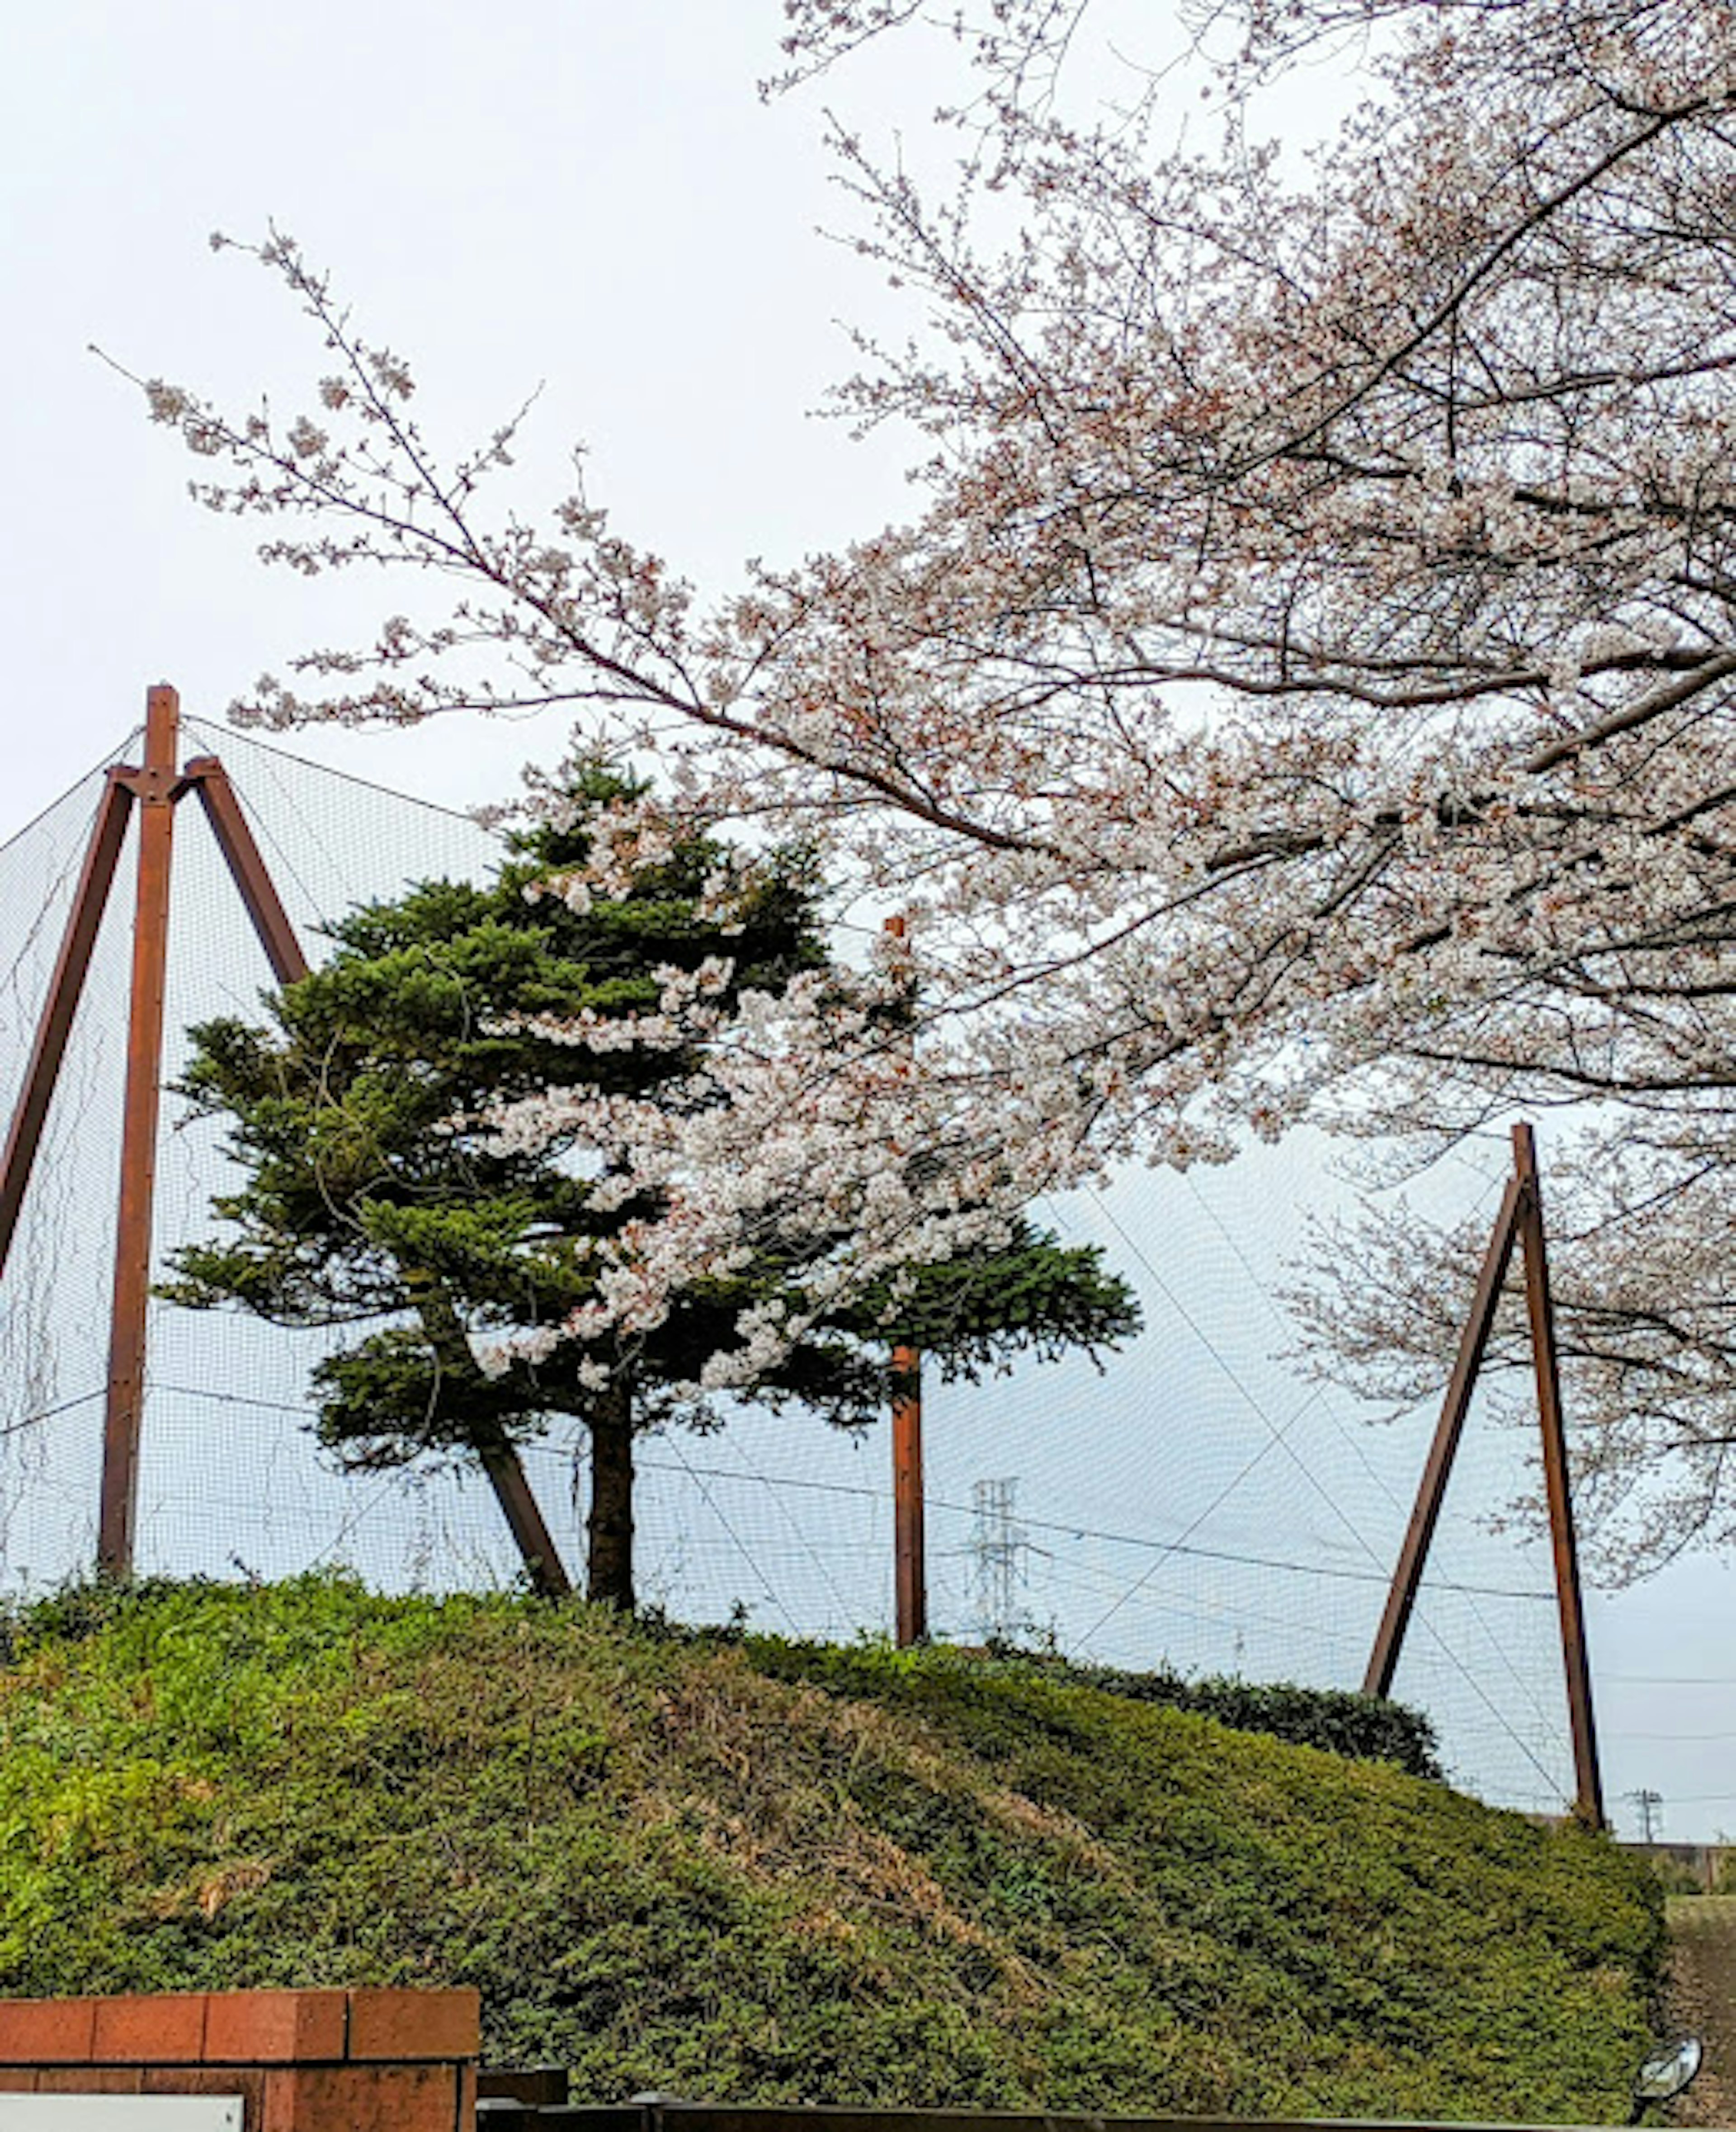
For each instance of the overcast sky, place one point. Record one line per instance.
(565, 195)
(562, 195)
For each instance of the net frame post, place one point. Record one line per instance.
(1519, 1222)
(525, 1521)
(1557, 1487)
(910, 1582)
(909, 1542)
(1431, 1492)
(154, 787)
(205, 775)
(158, 787)
(66, 986)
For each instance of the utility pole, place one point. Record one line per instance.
(1650, 1805)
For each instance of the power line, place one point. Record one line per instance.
(859, 1492)
(1671, 1679)
(48, 1413)
(1677, 1739)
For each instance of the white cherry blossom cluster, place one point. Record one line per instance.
(1311, 663)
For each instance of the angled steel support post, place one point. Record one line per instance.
(158, 787)
(71, 966)
(206, 775)
(523, 1517)
(155, 788)
(443, 1330)
(1520, 1220)
(1402, 1597)
(1588, 1799)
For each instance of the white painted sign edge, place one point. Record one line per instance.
(120, 2113)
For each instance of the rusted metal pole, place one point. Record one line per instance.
(525, 1521)
(206, 775)
(1401, 1596)
(1588, 1801)
(159, 787)
(71, 966)
(444, 1330)
(154, 787)
(910, 1567)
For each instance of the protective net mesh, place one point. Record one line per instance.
(1197, 1503)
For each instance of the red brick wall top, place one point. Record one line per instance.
(242, 2027)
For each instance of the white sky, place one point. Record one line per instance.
(568, 193)
(581, 196)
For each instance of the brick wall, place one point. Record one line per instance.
(302, 2060)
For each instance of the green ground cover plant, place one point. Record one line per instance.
(1364, 1727)
(736, 1871)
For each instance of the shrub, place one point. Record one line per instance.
(1362, 1728)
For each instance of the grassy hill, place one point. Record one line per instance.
(756, 1872)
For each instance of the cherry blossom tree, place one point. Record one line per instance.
(1310, 667)
(463, 1271)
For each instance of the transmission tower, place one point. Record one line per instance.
(998, 1547)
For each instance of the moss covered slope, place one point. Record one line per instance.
(684, 1866)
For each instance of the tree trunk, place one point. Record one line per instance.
(610, 1527)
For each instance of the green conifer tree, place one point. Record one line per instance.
(373, 1196)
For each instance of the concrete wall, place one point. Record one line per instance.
(1704, 1861)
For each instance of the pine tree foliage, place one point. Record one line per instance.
(379, 1193)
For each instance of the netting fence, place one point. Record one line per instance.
(1196, 1504)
